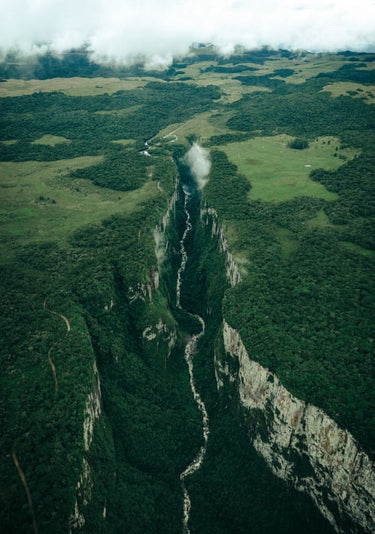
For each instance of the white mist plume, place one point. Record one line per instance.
(124, 30)
(160, 244)
(197, 158)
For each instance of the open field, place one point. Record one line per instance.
(232, 89)
(355, 90)
(40, 203)
(277, 172)
(204, 125)
(72, 86)
(321, 220)
(306, 66)
(50, 140)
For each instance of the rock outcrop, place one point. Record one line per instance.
(84, 485)
(207, 216)
(161, 333)
(302, 444)
(92, 409)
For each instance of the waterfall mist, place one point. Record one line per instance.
(198, 159)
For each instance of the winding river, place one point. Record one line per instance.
(190, 350)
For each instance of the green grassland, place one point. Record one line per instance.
(72, 86)
(202, 126)
(305, 66)
(232, 90)
(39, 202)
(50, 140)
(356, 90)
(278, 173)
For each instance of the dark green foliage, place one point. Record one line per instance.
(122, 172)
(228, 496)
(75, 118)
(355, 184)
(298, 143)
(350, 73)
(304, 309)
(223, 139)
(230, 70)
(261, 81)
(307, 317)
(302, 114)
(150, 427)
(284, 73)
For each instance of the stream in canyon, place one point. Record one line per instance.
(190, 350)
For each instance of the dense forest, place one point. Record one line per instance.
(96, 408)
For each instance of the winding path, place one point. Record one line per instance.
(28, 494)
(190, 350)
(159, 187)
(67, 324)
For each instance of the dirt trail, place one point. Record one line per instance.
(159, 187)
(29, 500)
(58, 314)
(50, 350)
(53, 369)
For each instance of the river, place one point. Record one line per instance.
(190, 350)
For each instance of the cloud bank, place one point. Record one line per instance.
(124, 30)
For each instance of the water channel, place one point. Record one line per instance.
(190, 350)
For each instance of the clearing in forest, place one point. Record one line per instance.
(40, 202)
(277, 172)
(75, 86)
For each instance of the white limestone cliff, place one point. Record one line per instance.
(161, 333)
(208, 215)
(84, 485)
(93, 409)
(161, 242)
(302, 444)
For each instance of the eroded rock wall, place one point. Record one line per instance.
(207, 216)
(302, 444)
(93, 410)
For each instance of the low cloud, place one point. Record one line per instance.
(124, 30)
(198, 159)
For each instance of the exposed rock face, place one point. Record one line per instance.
(161, 333)
(163, 224)
(92, 409)
(84, 489)
(77, 519)
(301, 444)
(161, 243)
(208, 215)
(139, 292)
(84, 485)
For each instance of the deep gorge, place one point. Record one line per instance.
(117, 413)
(235, 484)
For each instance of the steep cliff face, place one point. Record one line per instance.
(161, 242)
(92, 409)
(301, 444)
(84, 486)
(209, 216)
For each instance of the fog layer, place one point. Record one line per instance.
(124, 30)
